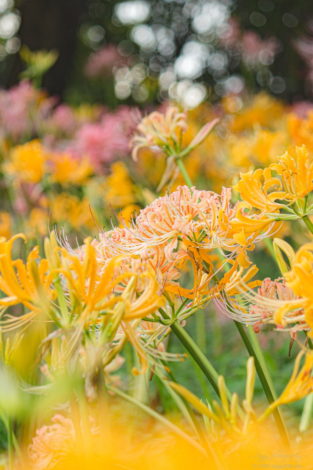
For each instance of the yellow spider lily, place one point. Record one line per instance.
(295, 168)
(96, 286)
(27, 283)
(300, 384)
(261, 190)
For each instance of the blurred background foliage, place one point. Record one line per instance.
(144, 51)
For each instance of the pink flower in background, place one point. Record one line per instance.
(253, 49)
(102, 61)
(106, 140)
(302, 108)
(304, 46)
(231, 35)
(63, 120)
(256, 50)
(22, 109)
(28, 196)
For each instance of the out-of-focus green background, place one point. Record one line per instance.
(193, 48)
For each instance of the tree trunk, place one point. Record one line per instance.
(50, 24)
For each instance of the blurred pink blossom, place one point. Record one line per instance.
(302, 108)
(256, 50)
(304, 46)
(231, 35)
(102, 61)
(106, 140)
(22, 109)
(62, 120)
(253, 49)
(27, 197)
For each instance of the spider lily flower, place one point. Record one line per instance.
(261, 190)
(160, 131)
(164, 133)
(187, 225)
(295, 168)
(270, 190)
(300, 384)
(200, 218)
(94, 286)
(23, 283)
(285, 302)
(301, 380)
(299, 279)
(273, 303)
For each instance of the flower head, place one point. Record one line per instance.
(160, 130)
(261, 190)
(28, 162)
(295, 169)
(66, 169)
(23, 283)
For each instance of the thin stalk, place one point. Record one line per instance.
(308, 223)
(201, 330)
(184, 172)
(308, 404)
(307, 413)
(252, 345)
(197, 355)
(269, 246)
(10, 437)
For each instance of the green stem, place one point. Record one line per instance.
(307, 413)
(250, 341)
(269, 245)
(184, 172)
(308, 404)
(197, 355)
(308, 223)
(10, 437)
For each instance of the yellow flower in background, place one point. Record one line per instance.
(150, 166)
(301, 130)
(5, 224)
(126, 215)
(119, 189)
(301, 381)
(239, 151)
(38, 223)
(27, 162)
(70, 209)
(66, 169)
(295, 167)
(263, 110)
(267, 145)
(300, 384)
(259, 148)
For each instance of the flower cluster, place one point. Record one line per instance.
(105, 305)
